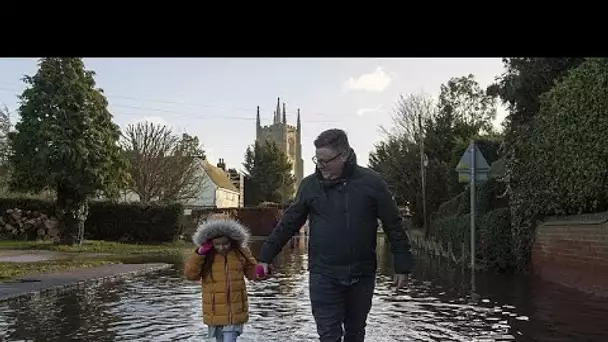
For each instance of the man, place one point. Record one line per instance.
(343, 202)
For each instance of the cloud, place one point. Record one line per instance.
(362, 111)
(376, 81)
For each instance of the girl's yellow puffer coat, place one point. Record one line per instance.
(224, 293)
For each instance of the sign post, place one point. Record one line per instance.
(471, 169)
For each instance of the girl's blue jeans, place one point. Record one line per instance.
(227, 336)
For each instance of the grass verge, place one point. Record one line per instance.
(90, 254)
(11, 270)
(98, 247)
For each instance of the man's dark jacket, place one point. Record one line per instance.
(343, 224)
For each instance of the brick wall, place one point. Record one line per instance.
(260, 220)
(573, 251)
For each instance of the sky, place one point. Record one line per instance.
(216, 98)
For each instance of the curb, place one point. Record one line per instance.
(58, 289)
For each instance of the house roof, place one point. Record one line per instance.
(218, 177)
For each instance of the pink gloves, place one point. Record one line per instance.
(259, 271)
(205, 248)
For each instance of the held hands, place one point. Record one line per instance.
(400, 280)
(263, 270)
(205, 248)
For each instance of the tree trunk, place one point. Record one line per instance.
(72, 211)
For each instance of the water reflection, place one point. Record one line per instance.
(437, 306)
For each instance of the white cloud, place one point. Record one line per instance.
(376, 81)
(362, 111)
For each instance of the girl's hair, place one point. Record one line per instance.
(208, 262)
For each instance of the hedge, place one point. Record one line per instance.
(134, 222)
(489, 196)
(494, 248)
(126, 222)
(492, 238)
(559, 164)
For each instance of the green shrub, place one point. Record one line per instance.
(492, 237)
(559, 164)
(566, 150)
(454, 229)
(127, 222)
(33, 204)
(489, 196)
(494, 244)
(134, 222)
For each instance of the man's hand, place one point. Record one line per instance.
(400, 280)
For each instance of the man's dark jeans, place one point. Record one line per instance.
(336, 303)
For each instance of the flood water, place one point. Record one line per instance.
(437, 306)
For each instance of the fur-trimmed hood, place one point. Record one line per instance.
(213, 228)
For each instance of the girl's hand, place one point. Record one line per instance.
(263, 271)
(260, 271)
(205, 248)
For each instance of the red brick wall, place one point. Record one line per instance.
(260, 220)
(573, 251)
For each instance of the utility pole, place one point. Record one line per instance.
(423, 163)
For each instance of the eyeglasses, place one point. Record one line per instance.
(323, 163)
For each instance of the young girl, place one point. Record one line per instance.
(221, 261)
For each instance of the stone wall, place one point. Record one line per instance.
(573, 251)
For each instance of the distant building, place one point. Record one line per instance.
(236, 178)
(217, 190)
(287, 137)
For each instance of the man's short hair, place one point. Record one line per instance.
(334, 138)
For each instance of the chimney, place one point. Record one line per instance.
(221, 164)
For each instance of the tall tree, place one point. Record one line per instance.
(5, 127)
(164, 166)
(463, 101)
(269, 174)
(393, 159)
(435, 128)
(5, 147)
(465, 111)
(399, 158)
(66, 140)
(410, 115)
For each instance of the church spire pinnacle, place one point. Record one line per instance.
(299, 124)
(257, 118)
(284, 115)
(277, 113)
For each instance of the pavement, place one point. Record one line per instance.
(53, 282)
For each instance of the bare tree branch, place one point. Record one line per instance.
(164, 167)
(406, 114)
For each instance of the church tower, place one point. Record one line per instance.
(287, 137)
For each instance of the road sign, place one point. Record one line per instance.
(465, 177)
(471, 168)
(464, 165)
(481, 164)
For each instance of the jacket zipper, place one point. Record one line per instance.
(350, 245)
(228, 289)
